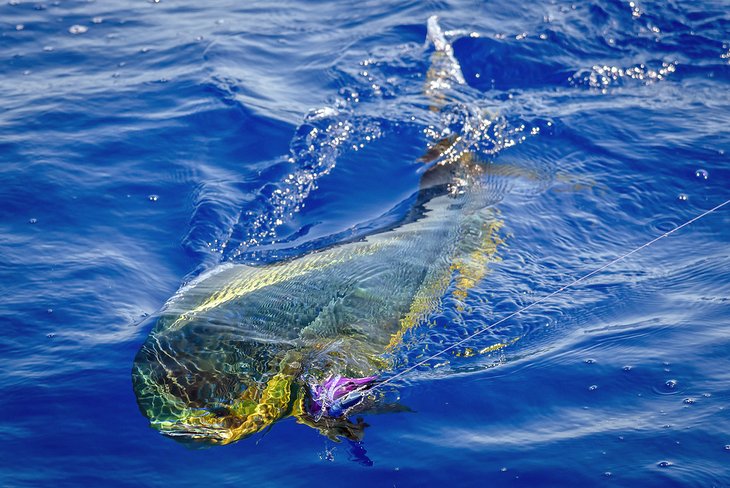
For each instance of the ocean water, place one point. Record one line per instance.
(143, 143)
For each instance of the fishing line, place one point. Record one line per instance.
(546, 297)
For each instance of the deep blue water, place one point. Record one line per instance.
(158, 140)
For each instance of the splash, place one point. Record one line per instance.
(635, 9)
(326, 135)
(387, 91)
(602, 77)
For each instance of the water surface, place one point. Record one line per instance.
(141, 144)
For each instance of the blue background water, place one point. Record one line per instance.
(150, 147)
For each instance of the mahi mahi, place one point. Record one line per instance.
(244, 346)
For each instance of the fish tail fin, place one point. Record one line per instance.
(443, 62)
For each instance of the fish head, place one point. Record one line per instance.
(196, 389)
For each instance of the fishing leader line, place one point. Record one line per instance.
(546, 297)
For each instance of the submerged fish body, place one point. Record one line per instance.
(236, 349)
(243, 346)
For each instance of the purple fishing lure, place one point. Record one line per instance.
(336, 395)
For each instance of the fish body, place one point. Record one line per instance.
(244, 346)
(240, 335)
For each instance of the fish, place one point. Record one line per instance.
(242, 347)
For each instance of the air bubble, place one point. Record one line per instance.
(590, 361)
(727, 447)
(593, 387)
(689, 401)
(33, 221)
(627, 368)
(671, 384)
(664, 464)
(77, 29)
(153, 198)
(702, 174)
(682, 197)
(328, 454)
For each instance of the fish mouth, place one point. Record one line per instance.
(194, 433)
(213, 428)
(197, 430)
